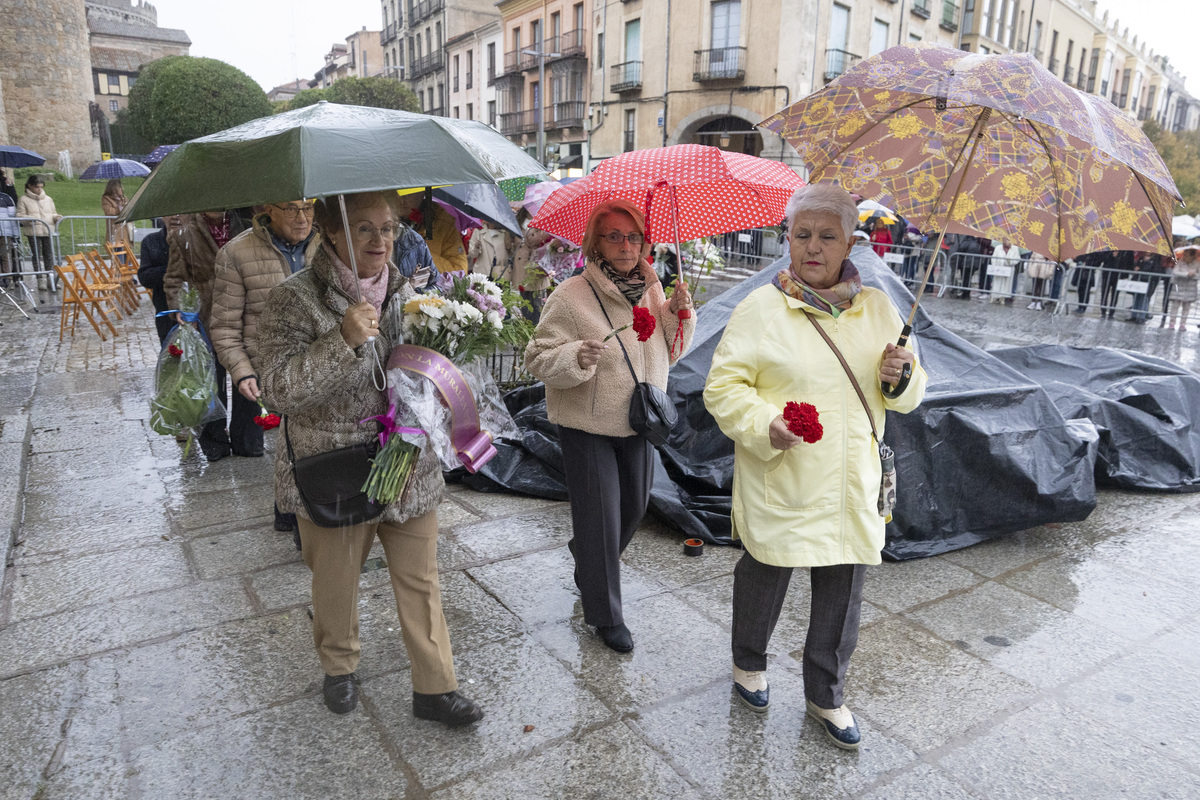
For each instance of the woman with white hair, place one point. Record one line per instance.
(806, 491)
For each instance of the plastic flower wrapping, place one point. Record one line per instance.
(185, 380)
(701, 257)
(465, 318)
(558, 258)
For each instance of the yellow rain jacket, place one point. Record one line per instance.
(815, 504)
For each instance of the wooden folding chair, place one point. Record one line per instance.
(111, 273)
(78, 296)
(103, 284)
(121, 255)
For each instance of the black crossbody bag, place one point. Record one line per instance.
(651, 412)
(330, 484)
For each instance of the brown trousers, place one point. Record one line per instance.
(336, 558)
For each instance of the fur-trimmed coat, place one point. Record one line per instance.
(596, 399)
(309, 374)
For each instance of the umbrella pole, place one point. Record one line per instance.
(683, 313)
(976, 135)
(350, 249)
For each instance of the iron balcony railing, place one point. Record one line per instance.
(571, 43)
(626, 76)
(1068, 74)
(565, 114)
(425, 9)
(513, 122)
(426, 64)
(838, 61)
(720, 64)
(440, 111)
(921, 8)
(389, 33)
(949, 20)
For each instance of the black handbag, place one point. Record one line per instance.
(330, 484)
(651, 412)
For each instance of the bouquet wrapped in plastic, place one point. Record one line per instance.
(558, 258)
(185, 380)
(440, 389)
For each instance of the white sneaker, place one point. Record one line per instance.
(1032, 306)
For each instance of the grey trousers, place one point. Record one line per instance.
(608, 481)
(758, 593)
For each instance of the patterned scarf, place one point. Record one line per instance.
(633, 285)
(220, 232)
(834, 300)
(374, 290)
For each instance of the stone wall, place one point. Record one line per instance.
(139, 13)
(3, 122)
(46, 69)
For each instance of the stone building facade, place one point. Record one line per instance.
(360, 57)
(472, 94)
(46, 72)
(125, 35)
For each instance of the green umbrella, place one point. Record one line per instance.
(322, 150)
(514, 188)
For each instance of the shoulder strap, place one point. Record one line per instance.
(610, 325)
(849, 373)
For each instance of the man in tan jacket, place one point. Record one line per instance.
(280, 243)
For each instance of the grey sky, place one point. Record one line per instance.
(276, 41)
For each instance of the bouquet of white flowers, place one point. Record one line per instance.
(451, 401)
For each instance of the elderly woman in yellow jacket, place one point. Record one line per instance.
(588, 389)
(799, 502)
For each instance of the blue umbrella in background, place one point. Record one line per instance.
(13, 156)
(158, 154)
(481, 200)
(115, 168)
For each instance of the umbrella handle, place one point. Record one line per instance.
(905, 372)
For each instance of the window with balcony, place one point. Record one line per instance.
(633, 40)
(626, 76)
(630, 128)
(491, 112)
(491, 62)
(725, 59)
(949, 20)
(921, 8)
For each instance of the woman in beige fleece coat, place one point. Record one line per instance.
(588, 389)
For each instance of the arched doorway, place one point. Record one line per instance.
(730, 133)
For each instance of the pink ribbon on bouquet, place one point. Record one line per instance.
(472, 446)
(388, 421)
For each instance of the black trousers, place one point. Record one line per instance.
(758, 593)
(608, 481)
(214, 433)
(245, 437)
(42, 253)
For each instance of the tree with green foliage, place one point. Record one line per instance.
(307, 97)
(140, 113)
(189, 97)
(1181, 153)
(377, 92)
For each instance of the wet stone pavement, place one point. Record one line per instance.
(155, 642)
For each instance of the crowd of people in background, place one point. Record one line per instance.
(998, 271)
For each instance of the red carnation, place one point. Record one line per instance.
(802, 421)
(173, 351)
(266, 420)
(643, 323)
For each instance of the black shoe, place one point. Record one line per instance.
(451, 708)
(341, 693)
(285, 522)
(617, 637)
(214, 451)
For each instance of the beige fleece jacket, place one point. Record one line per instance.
(596, 399)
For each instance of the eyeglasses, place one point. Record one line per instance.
(295, 211)
(612, 237)
(366, 232)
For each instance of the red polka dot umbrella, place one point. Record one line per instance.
(686, 191)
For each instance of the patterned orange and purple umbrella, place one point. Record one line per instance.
(1021, 155)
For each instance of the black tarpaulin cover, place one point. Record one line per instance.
(987, 453)
(1144, 408)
